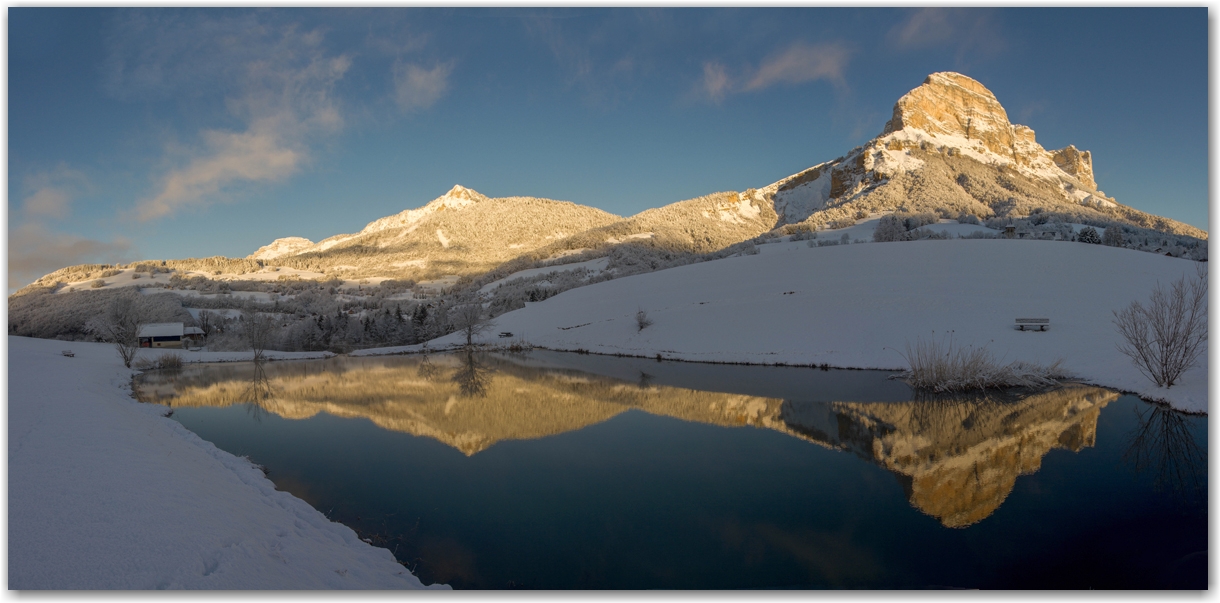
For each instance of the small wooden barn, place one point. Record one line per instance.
(161, 335)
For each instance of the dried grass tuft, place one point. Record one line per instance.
(941, 366)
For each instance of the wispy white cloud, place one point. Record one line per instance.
(50, 193)
(35, 250)
(48, 202)
(418, 88)
(715, 81)
(799, 63)
(802, 63)
(971, 32)
(279, 82)
(263, 153)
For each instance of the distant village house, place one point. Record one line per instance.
(170, 335)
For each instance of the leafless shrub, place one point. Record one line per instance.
(642, 321)
(98, 284)
(171, 360)
(940, 366)
(1165, 337)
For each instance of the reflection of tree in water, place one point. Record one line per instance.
(1163, 444)
(472, 375)
(645, 380)
(258, 393)
(426, 369)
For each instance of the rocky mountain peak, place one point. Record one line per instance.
(1076, 163)
(466, 194)
(951, 104)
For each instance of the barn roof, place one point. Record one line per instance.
(161, 329)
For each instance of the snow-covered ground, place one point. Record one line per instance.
(859, 305)
(105, 493)
(595, 265)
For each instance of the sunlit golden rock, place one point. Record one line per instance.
(958, 459)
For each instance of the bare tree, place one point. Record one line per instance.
(470, 320)
(257, 328)
(206, 322)
(120, 325)
(1165, 337)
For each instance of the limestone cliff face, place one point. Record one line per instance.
(950, 147)
(951, 104)
(1077, 163)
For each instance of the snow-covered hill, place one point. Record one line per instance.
(859, 305)
(461, 232)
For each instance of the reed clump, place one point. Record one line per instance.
(942, 366)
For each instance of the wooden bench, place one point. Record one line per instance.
(1041, 323)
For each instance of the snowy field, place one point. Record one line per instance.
(105, 493)
(596, 265)
(859, 305)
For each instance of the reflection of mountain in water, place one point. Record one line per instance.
(435, 397)
(957, 458)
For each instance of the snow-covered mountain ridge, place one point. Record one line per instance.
(949, 149)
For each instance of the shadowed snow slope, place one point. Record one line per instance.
(104, 493)
(859, 305)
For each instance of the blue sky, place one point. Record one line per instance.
(139, 134)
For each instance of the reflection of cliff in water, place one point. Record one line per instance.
(958, 458)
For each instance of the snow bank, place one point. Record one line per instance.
(104, 493)
(858, 306)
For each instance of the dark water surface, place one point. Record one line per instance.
(562, 471)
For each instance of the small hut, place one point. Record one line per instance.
(161, 335)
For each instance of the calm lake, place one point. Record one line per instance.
(561, 471)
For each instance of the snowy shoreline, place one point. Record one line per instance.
(856, 306)
(108, 493)
(400, 351)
